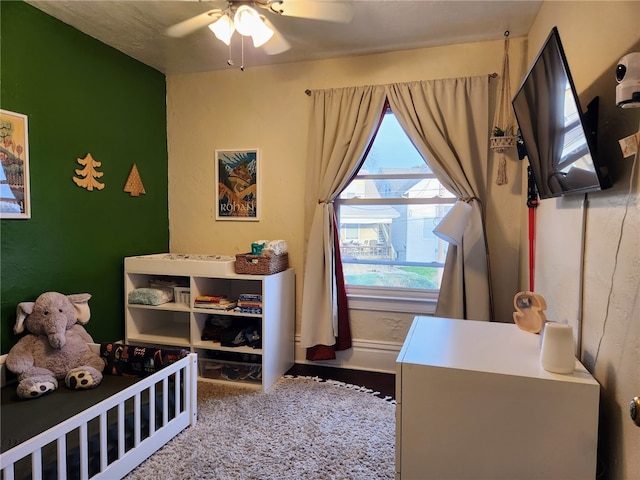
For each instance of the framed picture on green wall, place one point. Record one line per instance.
(237, 185)
(14, 158)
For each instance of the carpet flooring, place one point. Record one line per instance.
(301, 428)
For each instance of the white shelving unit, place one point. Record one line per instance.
(181, 325)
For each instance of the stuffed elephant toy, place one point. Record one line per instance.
(56, 347)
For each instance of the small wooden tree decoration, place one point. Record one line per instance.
(134, 184)
(88, 174)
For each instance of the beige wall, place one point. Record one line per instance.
(266, 108)
(595, 35)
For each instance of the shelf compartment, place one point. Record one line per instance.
(222, 286)
(141, 280)
(230, 371)
(211, 331)
(157, 325)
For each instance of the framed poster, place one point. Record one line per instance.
(14, 158)
(237, 181)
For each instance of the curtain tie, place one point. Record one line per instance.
(325, 202)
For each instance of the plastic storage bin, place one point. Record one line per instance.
(182, 295)
(230, 371)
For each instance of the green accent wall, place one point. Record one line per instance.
(81, 96)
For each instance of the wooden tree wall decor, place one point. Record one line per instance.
(88, 174)
(503, 136)
(134, 184)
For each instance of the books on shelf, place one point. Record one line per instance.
(242, 303)
(210, 298)
(256, 310)
(246, 303)
(250, 303)
(250, 297)
(214, 302)
(217, 306)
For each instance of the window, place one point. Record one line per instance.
(386, 217)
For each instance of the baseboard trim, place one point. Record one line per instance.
(364, 355)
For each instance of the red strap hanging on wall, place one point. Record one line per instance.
(532, 203)
(532, 248)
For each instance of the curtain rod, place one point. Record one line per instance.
(491, 75)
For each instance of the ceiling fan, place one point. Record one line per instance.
(245, 17)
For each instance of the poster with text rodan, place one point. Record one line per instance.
(237, 181)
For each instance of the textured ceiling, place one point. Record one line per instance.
(137, 28)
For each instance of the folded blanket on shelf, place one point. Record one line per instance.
(150, 296)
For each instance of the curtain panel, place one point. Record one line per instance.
(448, 122)
(342, 125)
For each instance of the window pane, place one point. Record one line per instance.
(398, 185)
(387, 215)
(395, 245)
(392, 149)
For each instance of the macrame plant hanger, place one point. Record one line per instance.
(502, 136)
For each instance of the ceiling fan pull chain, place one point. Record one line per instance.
(230, 60)
(242, 53)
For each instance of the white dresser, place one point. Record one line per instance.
(473, 403)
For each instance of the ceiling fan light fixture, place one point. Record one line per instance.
(261, 34)
(223, 29)
(246, 20)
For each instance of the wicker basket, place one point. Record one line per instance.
(261, 264)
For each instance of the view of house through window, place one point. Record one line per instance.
(386, 217)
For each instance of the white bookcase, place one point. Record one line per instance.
(177, 324)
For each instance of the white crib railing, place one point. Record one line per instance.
(184, 413)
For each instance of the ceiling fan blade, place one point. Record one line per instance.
(327, 10)
(277, 44)
(194, 23)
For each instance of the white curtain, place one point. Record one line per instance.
(448, 122)
(342, 125)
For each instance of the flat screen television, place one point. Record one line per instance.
(559, 138)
